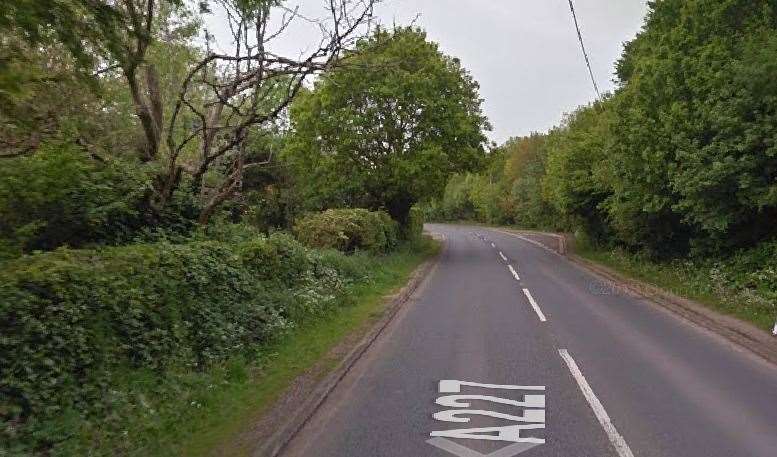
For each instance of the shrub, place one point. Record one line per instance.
(74, 322)
(279, 258)
(753, 270)
(59, 196)
(348, 230)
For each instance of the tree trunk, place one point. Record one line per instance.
(399, 210)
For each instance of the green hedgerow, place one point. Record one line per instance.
(348, 230)
(72, 321)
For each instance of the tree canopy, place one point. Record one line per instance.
(387, 126)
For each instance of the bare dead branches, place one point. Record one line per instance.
(229, 96)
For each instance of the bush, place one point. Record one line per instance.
(279, 258)
(348, 230)
(75, 322)
(59, 196)
(753, 271)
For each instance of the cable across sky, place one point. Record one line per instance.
(585, 53)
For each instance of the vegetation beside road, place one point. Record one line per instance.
(171, 216)
(741, 285)
(303, 347)
(673, 176)
(133, 350)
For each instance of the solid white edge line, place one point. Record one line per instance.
(534, 305)
(515, 273)
(616, 439)
(529, 240)
(502, 256)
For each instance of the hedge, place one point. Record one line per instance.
(348, 230)
(72, 322)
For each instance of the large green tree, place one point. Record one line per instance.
(577, 173)
(387, 126)
(696, 124)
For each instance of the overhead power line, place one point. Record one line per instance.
(585, 53)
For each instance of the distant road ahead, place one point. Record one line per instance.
(537, 358)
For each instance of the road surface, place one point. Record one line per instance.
(509, 349)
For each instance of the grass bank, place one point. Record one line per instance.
(743, 285)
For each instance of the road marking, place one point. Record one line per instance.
(515, 273)
(448, 386)
(493, 245)
(461, 451)
(616, 439)
(516, 436)
(534, 305)
(465, 401)
(533, 416)
(529, 240)
(502, 256)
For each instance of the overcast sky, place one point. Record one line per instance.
(524, 53)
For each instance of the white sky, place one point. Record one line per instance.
(524, 53)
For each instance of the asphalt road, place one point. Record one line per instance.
(593, 372)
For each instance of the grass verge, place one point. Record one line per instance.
(730, 286)
(221, 414)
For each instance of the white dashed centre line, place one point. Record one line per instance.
(534, 305)
(493, 245)
(502, 256)
(515, 273)
(604, 419)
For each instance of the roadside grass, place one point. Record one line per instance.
(244, 389)
(720, 284)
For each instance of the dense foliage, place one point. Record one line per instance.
(414, 228)
(348, 230)
(62, 197)
(696, 124)
(510, 191)
(74, 322)
(387, 127)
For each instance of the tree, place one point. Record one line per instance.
(244, 93)
(576, 181)
(114, 35)
(224, 99)
(387, 126)
(523, 202)
(696, 122)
